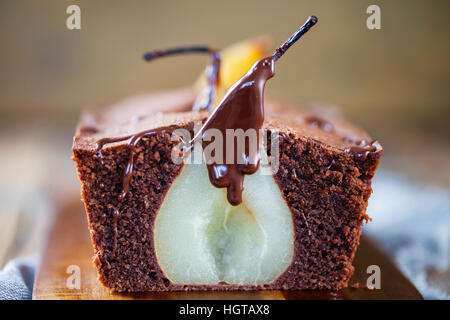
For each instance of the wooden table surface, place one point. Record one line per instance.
(69, 244)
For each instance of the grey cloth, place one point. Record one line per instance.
(16, 279)
(411, 222)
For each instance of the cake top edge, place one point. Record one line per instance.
(173, 109)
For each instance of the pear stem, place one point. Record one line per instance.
(166, 52)
(312, 20)
(212, 71)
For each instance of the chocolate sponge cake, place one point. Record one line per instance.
(157, 225)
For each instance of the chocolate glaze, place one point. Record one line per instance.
(132, 142)
(128, 172)
(361, 148)
(234, 112)
(241, 108)
(212, 73)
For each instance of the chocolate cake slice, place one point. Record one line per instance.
(161, 226)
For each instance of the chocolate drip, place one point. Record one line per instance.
(242, 108)
(132, 142)
(127, 174)
(361, 149)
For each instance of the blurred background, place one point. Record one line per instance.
(393, 82)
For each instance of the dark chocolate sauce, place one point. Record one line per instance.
(361, 148)
(212, 74)
(132, 142)
(241, 108)
(128, 172)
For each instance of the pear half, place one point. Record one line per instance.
(201, 239)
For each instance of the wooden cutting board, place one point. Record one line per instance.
(69, 244)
